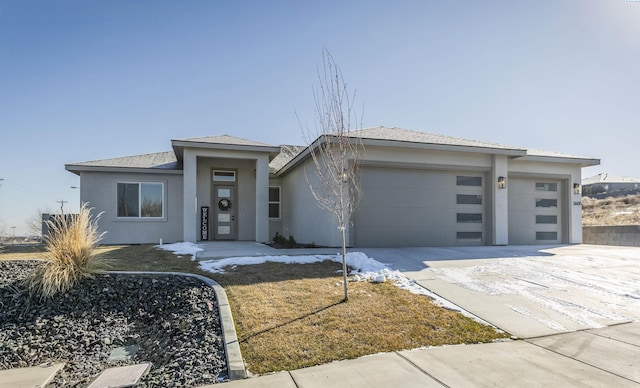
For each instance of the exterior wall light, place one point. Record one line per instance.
(502, 182)
(576, 188)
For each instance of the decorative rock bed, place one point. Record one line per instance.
(172, 320)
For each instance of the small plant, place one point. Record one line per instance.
(292, 242)
(70, 254)
(279, 239)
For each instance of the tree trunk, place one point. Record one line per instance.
(344, 265)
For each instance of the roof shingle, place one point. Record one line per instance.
(406, 135)
(224, 139)
(160, 160)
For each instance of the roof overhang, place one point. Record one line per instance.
(445, 147)
(512, 152)
(582, 161)
(77, 169)
(180, 145)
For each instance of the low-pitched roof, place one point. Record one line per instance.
(223, 139)
(609, 178)
(286, 156)
(411, 136)
(287, 153)
(393, 136)
(162, 161)
(223, 142)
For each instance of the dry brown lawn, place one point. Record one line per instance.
(294, 317)
(611, 211)
(290, 316)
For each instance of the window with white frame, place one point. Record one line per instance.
(140, 200)
(224, 176)
(274, 202)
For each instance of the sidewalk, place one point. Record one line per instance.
(593, 358)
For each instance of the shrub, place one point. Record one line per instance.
(70, 254)
(279, 239)
(292, 242)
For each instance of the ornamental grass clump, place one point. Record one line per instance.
(70, 255)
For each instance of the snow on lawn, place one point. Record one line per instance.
(365, 269)
(182, 248)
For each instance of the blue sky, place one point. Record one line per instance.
(85, 80)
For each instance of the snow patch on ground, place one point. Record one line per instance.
(575, 292)
(182, 248)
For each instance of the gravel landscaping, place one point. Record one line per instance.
(172, 320)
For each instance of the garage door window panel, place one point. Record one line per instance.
(546, 202)
(546, 219)
(468, 199)
(475, 181)
(469, 236)
(546, 236)
(545, 186)
(473, 218)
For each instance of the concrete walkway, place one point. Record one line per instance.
(224, 249)
(592, 358)
(570, 292)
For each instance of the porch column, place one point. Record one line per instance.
(500, 201)
(574, 206)
(262, 199)
(189, 206)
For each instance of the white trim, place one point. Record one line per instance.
(279, 202)
(234, 180)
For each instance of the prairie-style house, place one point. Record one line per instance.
(418, 189)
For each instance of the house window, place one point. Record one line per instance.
(468, 199)
(469, 217)
(546, 186)
(140, 200)
(224, 176)
(274, 202)
(469, 181)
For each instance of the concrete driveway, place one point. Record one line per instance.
(564, 300)
(529, 291)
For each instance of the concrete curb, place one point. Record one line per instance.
(235, 363)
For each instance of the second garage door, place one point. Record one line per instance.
(410, 207)
(535, 211)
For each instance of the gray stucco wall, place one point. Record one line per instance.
(627, 235)
(302, 217)
(98, 189)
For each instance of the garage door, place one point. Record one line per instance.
(535, 211)
(409, 207)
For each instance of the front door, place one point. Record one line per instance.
(224, 205)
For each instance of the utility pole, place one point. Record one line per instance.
(61, 202)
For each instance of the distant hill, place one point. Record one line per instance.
(611, 211)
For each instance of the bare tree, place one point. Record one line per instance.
(335, 151)
(34, 222)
